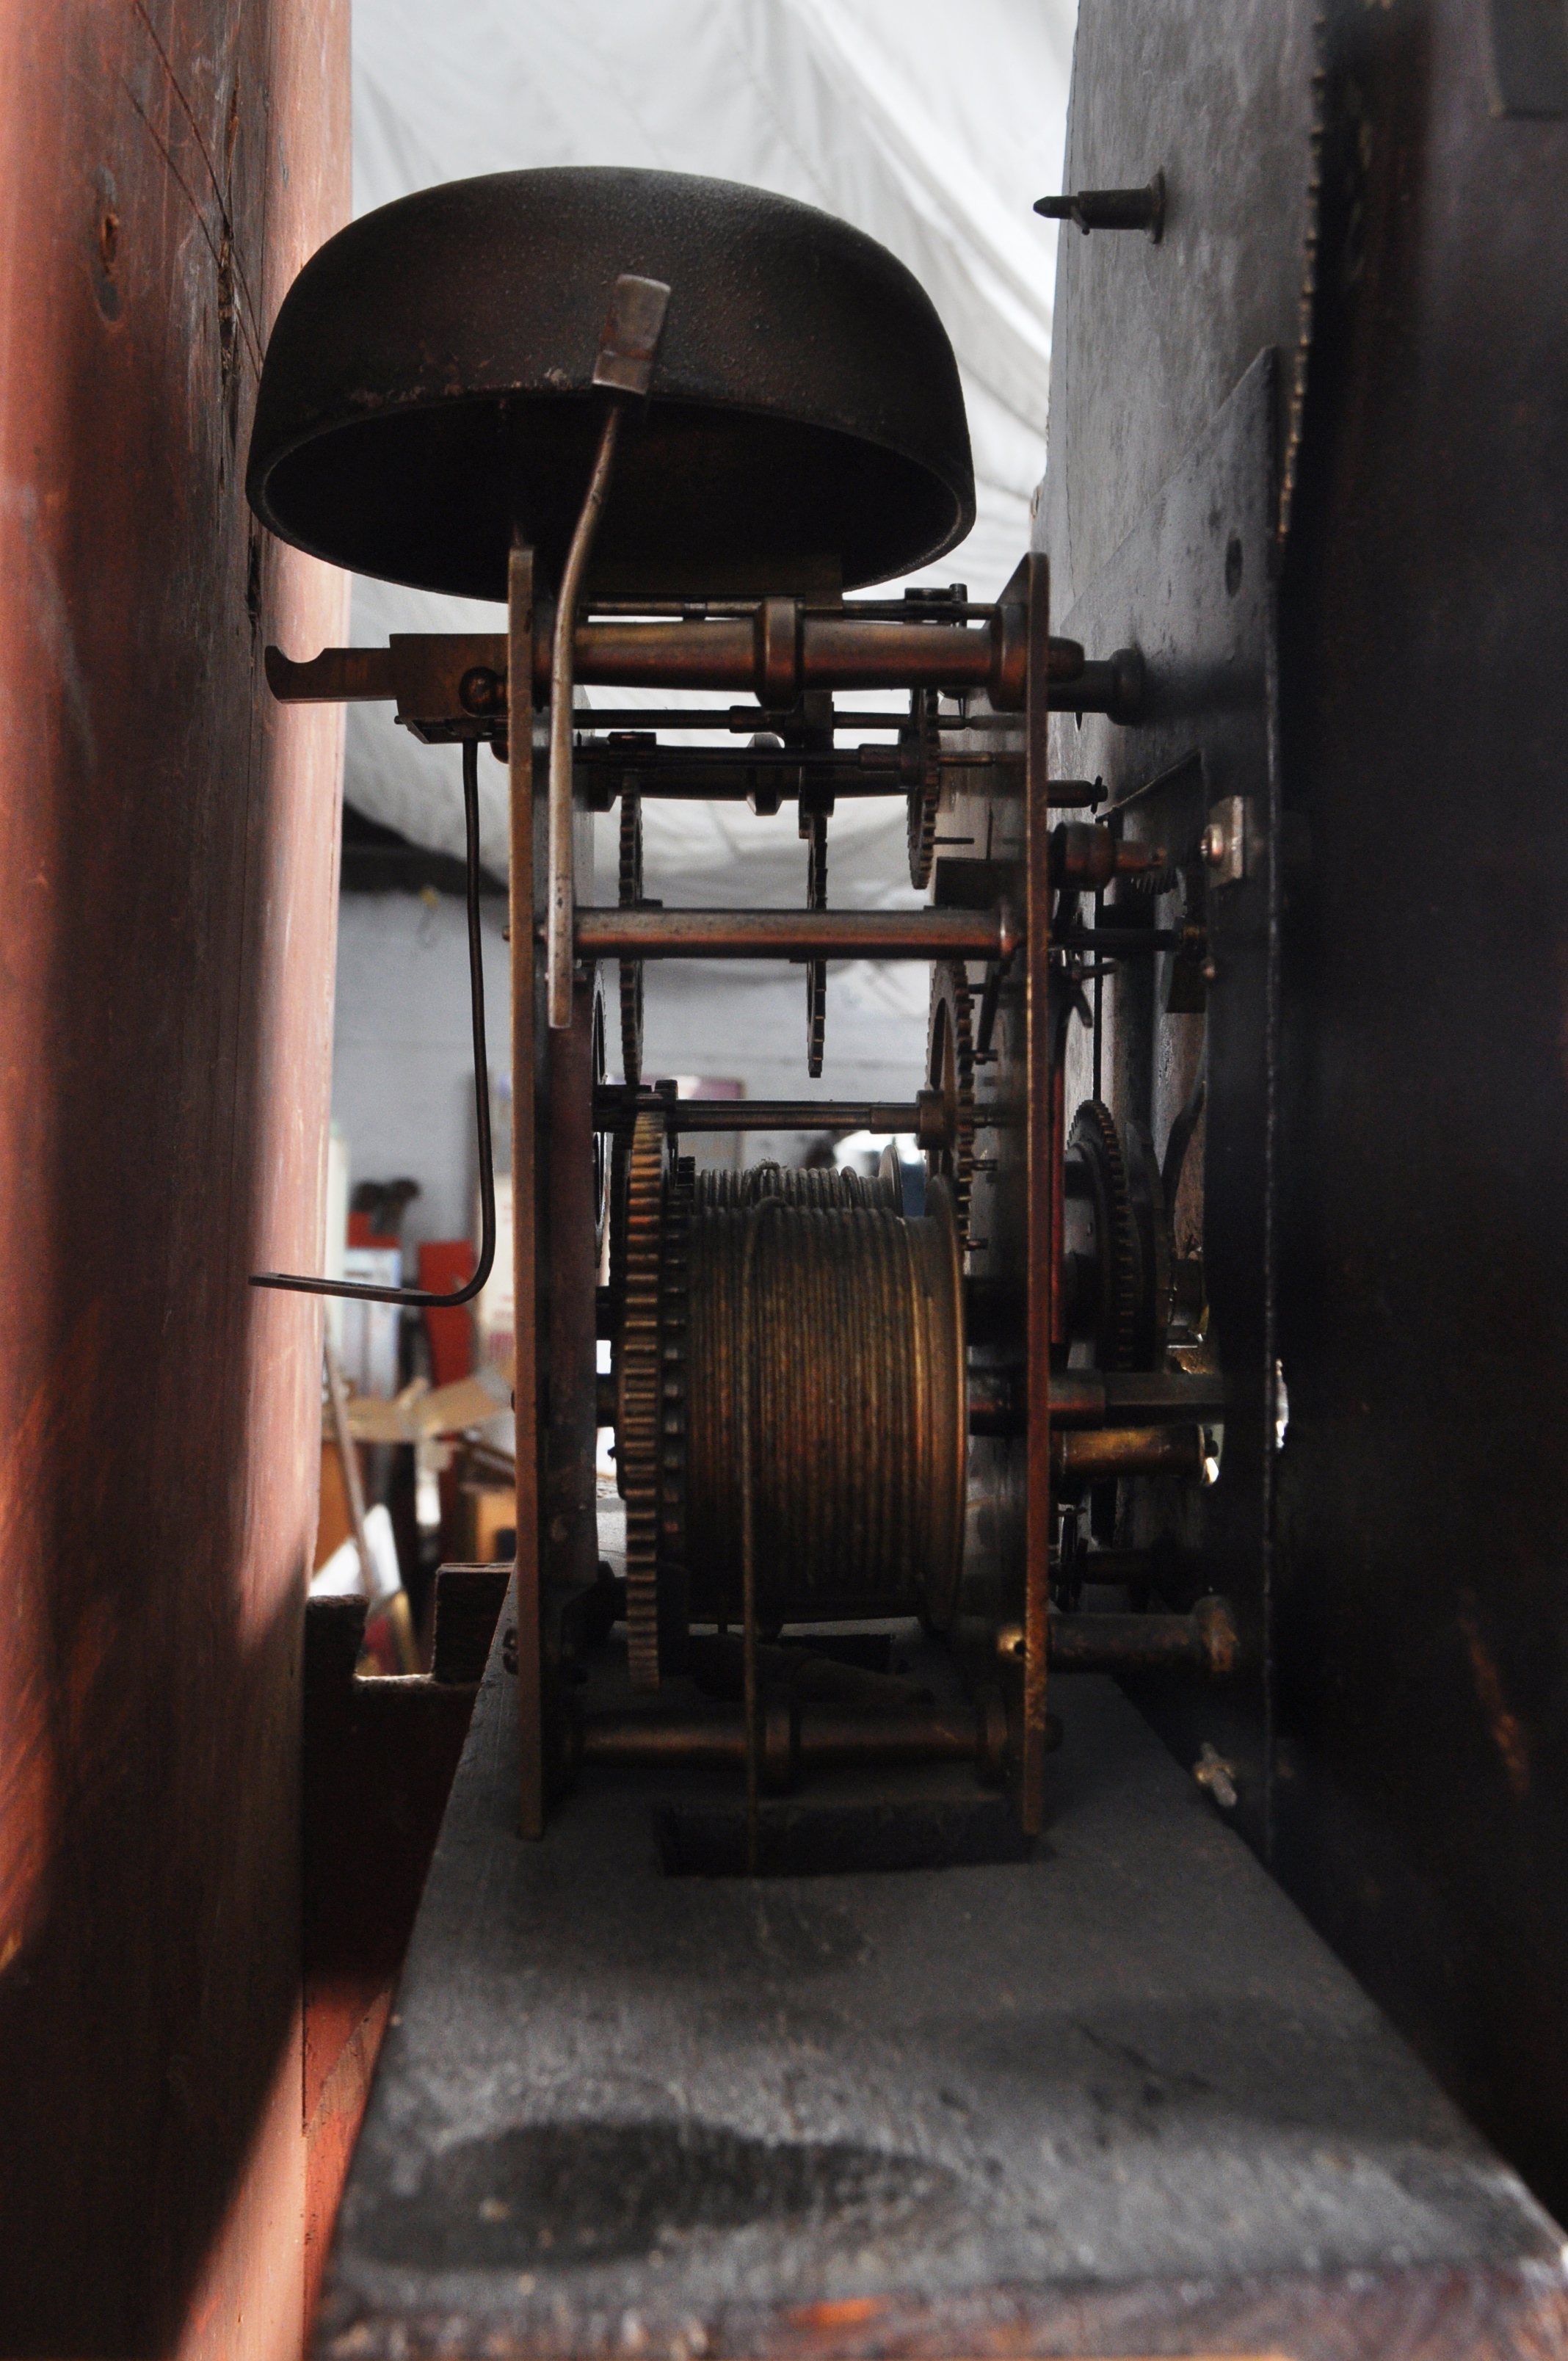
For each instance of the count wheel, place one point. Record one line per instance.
(630, 897)
(1101, 1236)
(924, 799)
(949, 1068)
(639, 1423)
(1118, 1241)
(601, 1138)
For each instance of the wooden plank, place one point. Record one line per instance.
(379, 1760)
(167, 908)
(1115, 2098)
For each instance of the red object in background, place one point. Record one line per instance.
(446, 1265)
(361, 1233)
(380, 1643)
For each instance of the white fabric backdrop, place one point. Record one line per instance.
(933, 128)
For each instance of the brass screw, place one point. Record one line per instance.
(1218, 1776)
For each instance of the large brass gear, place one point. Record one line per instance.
(925, 799)
(674, 1322)
(640, 1389)
(631, 898)
(949, 1068)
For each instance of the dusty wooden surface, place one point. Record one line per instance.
(1118, 2098)
(379, 1760)
(168, 869)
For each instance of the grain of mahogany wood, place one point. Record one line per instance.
(166, 907)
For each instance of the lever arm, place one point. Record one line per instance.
(623, 370)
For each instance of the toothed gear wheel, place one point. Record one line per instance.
(1152, 1228)
(1095, 1143)
(631, 898)
(816, 970)
(950, 1068)
(602, 1145)
(673, 1314)
(924, 799)
(639, 1378)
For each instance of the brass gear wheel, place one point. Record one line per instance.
(631, 898)
(602, 1146)
(1095, 1146)
(816, 970)
(924, 799)
(949, 1068)
(640, 1386)
(1152, 1226)
(675, 1291)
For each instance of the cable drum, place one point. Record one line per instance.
(852, 1343)
(820, 1189)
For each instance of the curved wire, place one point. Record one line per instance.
(560, 944)
(361, 1291)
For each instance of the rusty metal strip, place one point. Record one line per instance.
(604, 933)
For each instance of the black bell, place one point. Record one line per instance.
(427, 387)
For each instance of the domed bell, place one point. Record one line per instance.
(427, 391)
